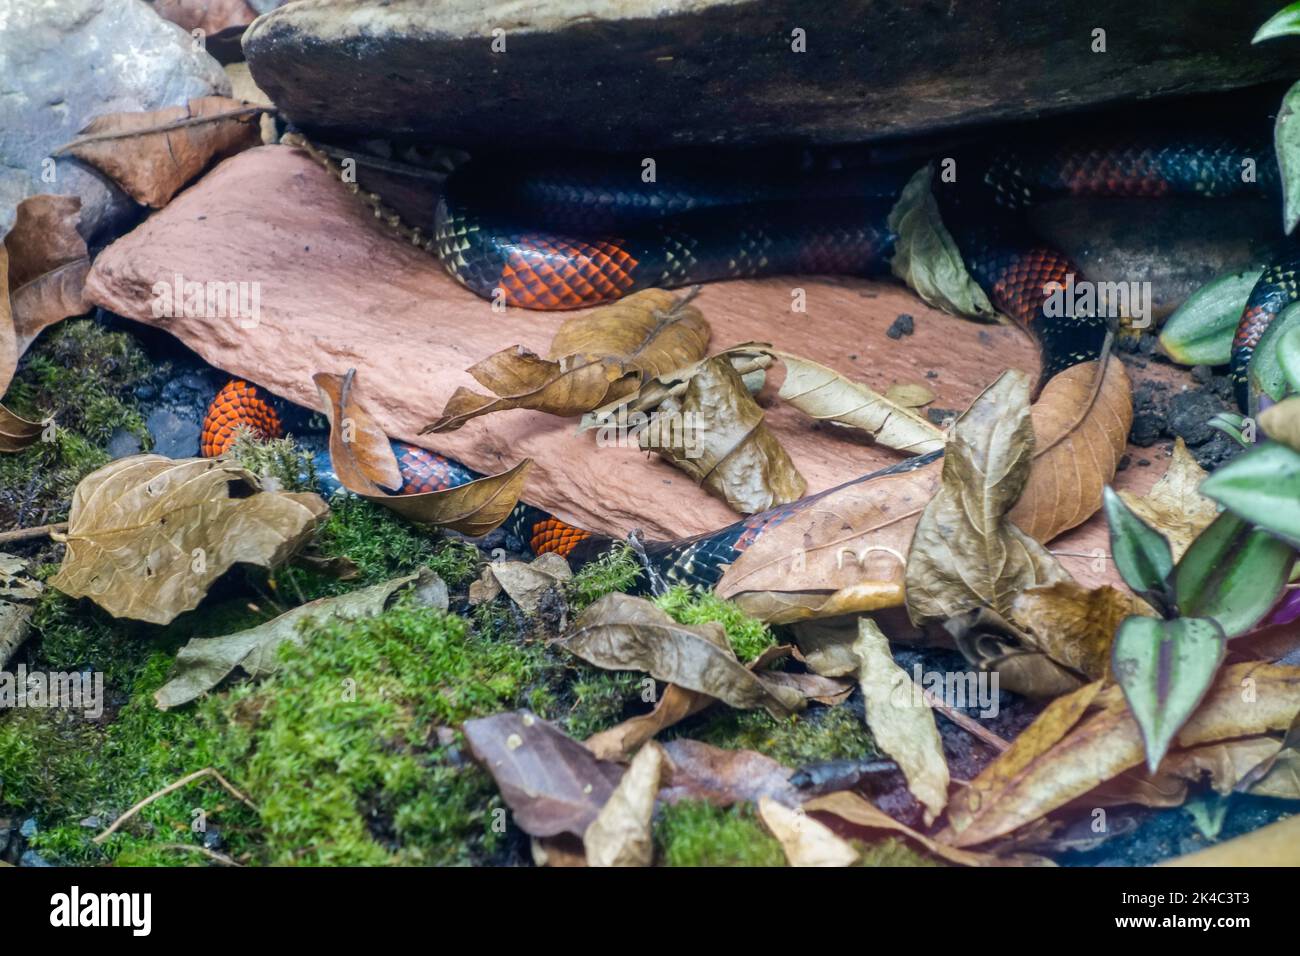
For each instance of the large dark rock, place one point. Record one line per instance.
(64, 63)
(616, 74)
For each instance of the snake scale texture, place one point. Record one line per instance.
(573, 232)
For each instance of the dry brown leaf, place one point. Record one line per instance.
(210, 16)
(528, 582)
(622, 632)
(1173, 506)
(859, 811)
(824, 394)
(16, 433)
(1074, 625)
(48, 263)
(724, 777)
(676, 704)
(153, 155)
(620, 834)
(805, 841)
(594, 359)
(365, 464)
(1246, 700)
(900, 721)
(965, 553)
(1081, 425)
(1225, 763)
(715, 433)
(991, 642)
(147, 535)
(552, 783)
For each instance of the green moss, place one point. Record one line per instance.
(81, 378)
(892, 851)
(749, 637)
(617, 570)
(695, 833)
(280, 460)
(819, 733)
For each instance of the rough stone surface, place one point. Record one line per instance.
(613, 74)
(338, 292)
(64, 62)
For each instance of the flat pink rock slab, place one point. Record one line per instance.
(337, 291)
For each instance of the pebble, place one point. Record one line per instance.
(903, 325)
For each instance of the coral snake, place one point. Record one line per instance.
(569, 233)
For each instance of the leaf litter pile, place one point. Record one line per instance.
(949, 695)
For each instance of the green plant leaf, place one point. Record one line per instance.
(1266, 372)
(1286, 22)
(1262, 486)
(1288, 357)
(1141, 553)
(1200, 332)
(1286, 142)
(927, 257)
(1165, 668)
(1232, 573)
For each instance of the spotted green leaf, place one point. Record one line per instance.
(1262, 486)
(1232, 573)
(1200, 332)
(1142, 554)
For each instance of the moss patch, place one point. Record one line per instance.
(695, 833)
(819, 733)
(749, 637)
(617, 570)
(82, 378)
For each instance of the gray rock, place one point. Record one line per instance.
(122, 444)
(615, 74)
(32, 858)
(173, 436)
(64, 63)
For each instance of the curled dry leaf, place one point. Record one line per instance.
(676, 704)
(205, 662)
(210, 16)
(16, 432)
(525, 582)
(621, 632)
(552, 783)
(900, 720)
(1063, 761)
(991, 642)
(1173, 506)
(824, 394)
(1228, 764)
(48, 262)
(620, 834)
(716, 434)
(18, 594)
(1277, 844)
(364, 462)
(909, 395)
(147, 535)
(843, 551)
(152, 155)
(806, 841)
(1081, 425)
(1074, 625)
(724, 777)
(966, 553)
(595, 358)
(859, 811)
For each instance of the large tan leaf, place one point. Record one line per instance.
(621, 632)
(900, 720)
(152, 155)
(966, 553)
(365, 465)
(824, 394)
(1081, 425)
(620, 834)
(1247, 700)
(716, 434)
(1277, 844)
(859, 811)
(147, 536)
(1173, 505)
(594, 359)
(805, 840)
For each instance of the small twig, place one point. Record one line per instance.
(971, 727)
(210, 854)
(171, 787)
(164, 127)
(27, 534)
